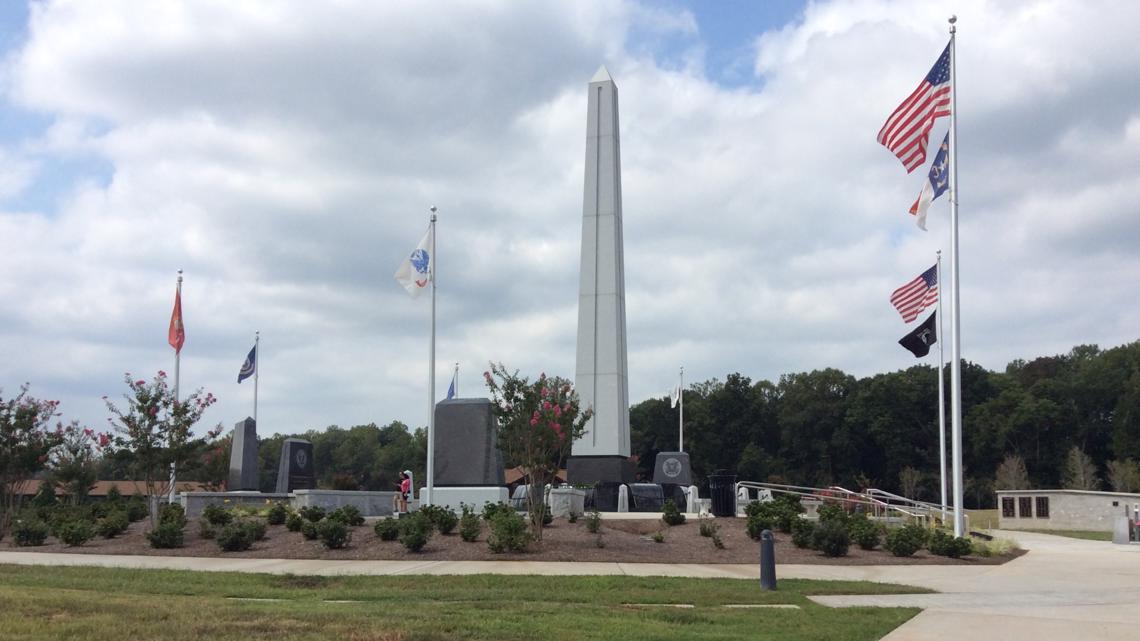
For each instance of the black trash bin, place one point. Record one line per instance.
(722, 491)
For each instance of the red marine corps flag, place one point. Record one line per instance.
(177, 333)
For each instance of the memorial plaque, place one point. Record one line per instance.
(466, 453)
(295, 471)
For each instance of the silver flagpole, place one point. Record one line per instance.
(956, 305)
(431, 372)
(177, 359)
(455, 377)
(256, 371)
(681, 420)
(941, 392)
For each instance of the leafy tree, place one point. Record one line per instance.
(24, 445)
(1080, 472)
(909, 480)
(74, 461)
(1124, 476)
(1011, 474)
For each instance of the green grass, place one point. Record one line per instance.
(983, 519)
(1088, 535)
(115, 604)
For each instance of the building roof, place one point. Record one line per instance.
(1129, 495)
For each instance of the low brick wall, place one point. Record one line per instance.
(1062, 509)
(369, 503)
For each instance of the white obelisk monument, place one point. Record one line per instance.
(600, 374)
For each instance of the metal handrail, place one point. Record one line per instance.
(881, 508)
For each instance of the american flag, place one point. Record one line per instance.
(917, 295)
(908, 128)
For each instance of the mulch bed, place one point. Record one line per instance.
(624, 541)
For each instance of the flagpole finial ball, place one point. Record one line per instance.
(953, 19)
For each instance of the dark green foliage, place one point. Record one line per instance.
(547, 515)
(29, 532)
(779, 513)
(278, 513)
(803, 533)
(670, 514)
(658, 537)
(906, 540)
(217, 514)
(235, 537)
(387, 529)
(593, 522)
(136, 509)
(312, 513)
(757, 523)
(864, 532)
(255, 525)
(469, 525)
(491, 509)
(334, 533)
(207, 530)
(707, 526)
(114, 496)
(174, 514)
(828, 513)
(830, 537)
(308, 529)
(443, 519)
(415, 531)
(293, 522)
(45, 495)
(352, 515)
(943, 543)
(572, 517)
(509, 533)
(167, 535)
(113, 524)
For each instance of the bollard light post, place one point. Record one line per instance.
(767, 560)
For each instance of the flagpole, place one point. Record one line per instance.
(256, 371)
(956, 306)
(681, 419)
(455, 377)
(431, 371)
(941, 394)
(177, 363)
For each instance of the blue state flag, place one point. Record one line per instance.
(451, 389)
(249, 366)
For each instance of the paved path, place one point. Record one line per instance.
(1065, 590)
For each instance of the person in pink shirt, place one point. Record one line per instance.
(405, 490)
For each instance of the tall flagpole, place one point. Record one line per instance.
(941, 392)
(681, 419)
(956, 306)
(256, 371)
(431, 372)
(177, 398)
(455, 376)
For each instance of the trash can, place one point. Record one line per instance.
(722, 491)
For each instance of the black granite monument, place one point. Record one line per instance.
(295, 471)
(243, 457)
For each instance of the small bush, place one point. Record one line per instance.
(572, 517)
(830, 537)
(757, 523)
(491, 509)
(174, 514)
(906, 540)
(277, 514)
(442, 518)
(829, 513)
(415, 531)
(29, 532)
(114, 496)
(136, 509)
(217, 515)
(312, 513)
(469, 525)
(718, 542)
(76, 533)
(706, 525)
(167, 535)
(670, 514)
(547, 515)
(509, 533)
(803, 533)
(781, 512)
(293, 522)
(113, 524)
(255, 526)
(207, 530)
(864, 532)
(998, 547)
(308, 529)
(235, 537)
(352, 515)
(387, 529)
(593, 522)
(945, 544)
(333, 533)
(658, 537)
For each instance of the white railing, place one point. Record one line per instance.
(871, 501)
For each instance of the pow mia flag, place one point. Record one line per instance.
(919, 340)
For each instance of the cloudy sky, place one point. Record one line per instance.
(285, 154)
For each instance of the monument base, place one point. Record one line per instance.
(475, 496)
(586, 470)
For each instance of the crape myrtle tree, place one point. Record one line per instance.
(157, 428)
(25, 441)
(537, 425)
(74, 461)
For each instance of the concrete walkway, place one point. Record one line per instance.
(1066, 589)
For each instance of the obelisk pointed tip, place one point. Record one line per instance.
(603, 75)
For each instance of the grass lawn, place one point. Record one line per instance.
(1088, 535)
(983, 519)
(40, 602)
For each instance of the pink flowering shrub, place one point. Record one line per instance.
(25, 441)
(73, 460)
(537, 425)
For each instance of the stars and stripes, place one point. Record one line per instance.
(917, 295)
(907, 129)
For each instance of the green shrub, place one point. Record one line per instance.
(998, 547)
(830, 537)
(172, 513)
(255, 525)
(308, 529)
(509, 533)
(491, 509)
(312, 513)
(906, 540)
(442, 518)
(234, 537)
(387, 529)
(136, 509)
(864, 532)
(831, 513)
(780, 513)
(547, 515)
(277, 514)
(469, 525)
(944, 544)
(62, 515)
(206, 530)
(114, 496)
(113, 524)
(593, 522)
(99, 510)
(333, 533)
(803, 533)
(29, 532)
(293, 522)
(706, 525)
(670, 514)
(217, 514)
(167, 535)
(572, 517)
(658, 537)
(352, 515)
(415, 531)
(757, 523)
